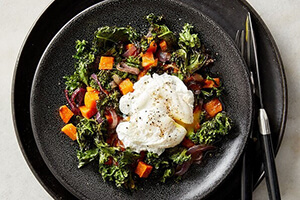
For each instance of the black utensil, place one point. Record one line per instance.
(264, 127)
(247, 166)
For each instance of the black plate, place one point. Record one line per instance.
(229, 14)
(47, 96)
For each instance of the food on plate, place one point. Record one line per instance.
(144, 106)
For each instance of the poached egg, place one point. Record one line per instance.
(154, 109)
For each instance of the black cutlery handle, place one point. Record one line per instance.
(268, 154)
(247, 175)
(270, 169)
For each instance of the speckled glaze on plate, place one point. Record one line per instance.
(47, 96)
(229, 14)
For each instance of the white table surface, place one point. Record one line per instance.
(16, 18)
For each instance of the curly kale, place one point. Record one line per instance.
(87, 131)
(89, 134)
(133, 62)
(85, 157)
(119, 173)
(180, 157)
(106, 37)
(165, 164)
(189, 58)
(160, 31)
(212, 130)
(84, 58)
(109, 101)
(187, 40)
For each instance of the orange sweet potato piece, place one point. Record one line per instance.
(143, 169)
(213, 107)
(90, 89)
(128, 46)
(126, 86)
(87, 112)
(163, 45)
(90, 99)
(65, 113)
(210, 83)
(70, 130)
(148, 60)
(152, 47)
(106, 62)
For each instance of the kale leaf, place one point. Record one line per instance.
(84, 58)
(180, 157)
(87, 131)
(168, 173)
(119, 173)
(106, 37)
(161, 31)
(211, 131)
(187, 39)
(109, 101)
(189, 58)
(85, 157)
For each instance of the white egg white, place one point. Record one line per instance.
(153, 109)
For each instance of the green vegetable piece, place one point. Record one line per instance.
(180, 157)
(84, 58)
(161, 31)
(85, 157)
(211, 131)
(188, 40)
(106, 37)
(168, 173)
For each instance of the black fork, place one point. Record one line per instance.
(247, 167)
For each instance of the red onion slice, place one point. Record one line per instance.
(197, 148)
(132, 51)
(125, 68)
(98, 118)
(78, 96)
(74, 109)
(117, 79)
(196, 153)
(183, 168)
(114, 117)
(163, 56)
(94, 76)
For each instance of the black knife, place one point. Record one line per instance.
(264, 128)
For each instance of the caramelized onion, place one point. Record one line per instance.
(183, 168)
(125, 68)
(132, 51)
(114, 117)
(113, 84)
(73, 106)
(171, 66)
(163, 56)
(196, 153)
(78, 96)
(197, 148)
(196, 87)
(98, 118)
(117, 79)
